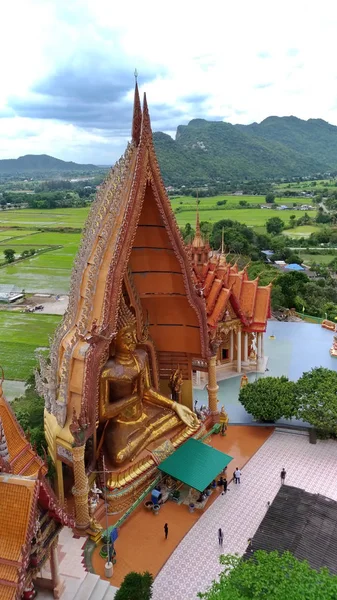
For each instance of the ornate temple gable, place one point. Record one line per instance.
(82, 341)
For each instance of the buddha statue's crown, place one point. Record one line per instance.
(126, 318)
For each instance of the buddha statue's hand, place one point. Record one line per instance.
(185, 415)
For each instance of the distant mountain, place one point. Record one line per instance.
(205, 151)
(39, 163)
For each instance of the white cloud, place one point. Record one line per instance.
(241, 61)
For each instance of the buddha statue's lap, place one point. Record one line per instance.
(135, 414)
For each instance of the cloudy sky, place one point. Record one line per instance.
(67, 68)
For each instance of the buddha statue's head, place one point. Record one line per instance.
(126, 339)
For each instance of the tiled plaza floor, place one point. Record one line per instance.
(195, 562)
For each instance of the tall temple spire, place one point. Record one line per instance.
(137, 114)
(146, 121)
(198, 241)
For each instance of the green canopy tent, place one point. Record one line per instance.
(195, 464)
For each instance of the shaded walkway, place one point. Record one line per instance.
(195, 562)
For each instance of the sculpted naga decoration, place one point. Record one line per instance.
(134, 413)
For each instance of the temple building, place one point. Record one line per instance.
(31, 517)
(237, 310)
(118, 386)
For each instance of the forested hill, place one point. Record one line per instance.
(39, 163)
(206, 151)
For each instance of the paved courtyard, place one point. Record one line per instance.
(195, 562)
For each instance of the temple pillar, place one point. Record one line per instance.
(59, 479)
(81, 488)
(245, 347)
(238, 351)
(197, 377)
(259, 346)
(58, 584)
(212, 386)
(262, 346)
(231, 345)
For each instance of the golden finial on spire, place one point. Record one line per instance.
(222, 241)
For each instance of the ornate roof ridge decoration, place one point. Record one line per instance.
(137, 117)
(54, 505)
(53, 381)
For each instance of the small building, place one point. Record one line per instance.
(237, 309)
(294, 267)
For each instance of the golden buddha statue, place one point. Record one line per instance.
(135, 413)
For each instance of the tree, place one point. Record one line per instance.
(270, 198)
(316, 398)
(9, 255)
(271, 576)
(292, 220)
(136, 586)
(275, 225)
(269, 398)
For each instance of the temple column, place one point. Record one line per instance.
(231, 345)
(238, 351)
(60, 485)
(212, 386)
(258, 346)
(245, 347)
(197, 377)
(58, 584)
(81, 488)
(262, 346)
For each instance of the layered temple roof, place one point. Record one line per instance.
(28, 506)
(226, 289)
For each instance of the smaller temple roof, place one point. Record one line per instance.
(24, 492)
(195, 464)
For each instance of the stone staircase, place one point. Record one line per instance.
(95, 588)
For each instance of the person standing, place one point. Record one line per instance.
(166, 530)
(234, 477)
(237, 475)
(220, 537)
(283, 475)
(224, 486)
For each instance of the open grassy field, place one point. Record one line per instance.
(320, 258)
(303, 231)
(21, 334)
(253, 217)
(33, 219)
(232, 201)
(48, 272)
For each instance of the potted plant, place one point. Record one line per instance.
(149, 504)
(156, 508)
(191, 507)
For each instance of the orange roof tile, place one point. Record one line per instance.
(219, 307)
(213, 295)
(208, 282)
(262, 305)
(247, 297)
(235, 283)
(22, 458)
(18, 499)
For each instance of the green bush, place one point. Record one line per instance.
(316, 398)
(269, 398)
(136, 586)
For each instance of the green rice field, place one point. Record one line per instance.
(49, 272)
(21, 334)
